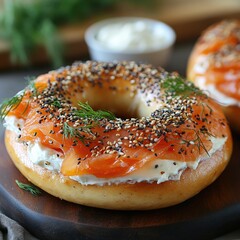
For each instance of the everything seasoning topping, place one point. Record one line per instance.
(221, 43)
(172, 120)
(226, 55)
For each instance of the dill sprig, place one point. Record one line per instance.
(200, 143)
(32, 86)
(204, 111)
(68, 131)
(178, 86)
(56, 103)
(10, 104)
(87, 112)
(76, 133)
(29, 188)
(197, 141)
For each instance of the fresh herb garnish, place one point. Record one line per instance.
(197, 141)
(200, 143)
(68, 131)
(10, 104)
(29, 188)
(56, 103)
(86, 111)
(177, 86)
(72, 132)
(206, 110)
(32, 86)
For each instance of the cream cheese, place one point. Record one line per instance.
(133, 35)
(13, 124)
(201, 65)
(156, 171)
(215, 94)
(44, 157)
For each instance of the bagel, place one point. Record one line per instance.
(120, 136)
(214, 66)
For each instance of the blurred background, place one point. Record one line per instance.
(51, 33)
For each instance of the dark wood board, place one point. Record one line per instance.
(214, 211)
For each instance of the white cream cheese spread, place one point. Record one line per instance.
(44, 157)
(215, 94)
(156, 171)
(133, 35)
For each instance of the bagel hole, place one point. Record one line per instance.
(134, 108)
(118, 111)
(122, 103)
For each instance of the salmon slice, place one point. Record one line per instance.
(77, 159)
(219, 47)
(119, 151)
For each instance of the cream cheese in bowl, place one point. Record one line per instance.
(132, 36)
(138, 39)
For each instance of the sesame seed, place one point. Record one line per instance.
(144, 132)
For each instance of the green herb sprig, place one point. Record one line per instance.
(178, 86)
(71, 132)
(29, 188)
(86, 112)
(10, 104)
(197, 141)
(32, 86)
(56, 103)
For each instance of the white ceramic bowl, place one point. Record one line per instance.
(122, 47)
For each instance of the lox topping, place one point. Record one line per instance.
(219, 47)
(97, 142)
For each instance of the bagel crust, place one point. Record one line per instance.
(138, 196)
(170, 141)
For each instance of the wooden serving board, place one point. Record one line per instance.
(214, 211)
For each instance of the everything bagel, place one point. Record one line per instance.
(116, 135)
(214, 66)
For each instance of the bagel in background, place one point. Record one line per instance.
(170, 142)
(214, 66)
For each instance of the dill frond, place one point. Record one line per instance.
(68, 131)
(71, 132)
(29, 188)
(56, 103)
(86, 111)
(178, 86)
(32, 86)
(197, 141)
(10, 104)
